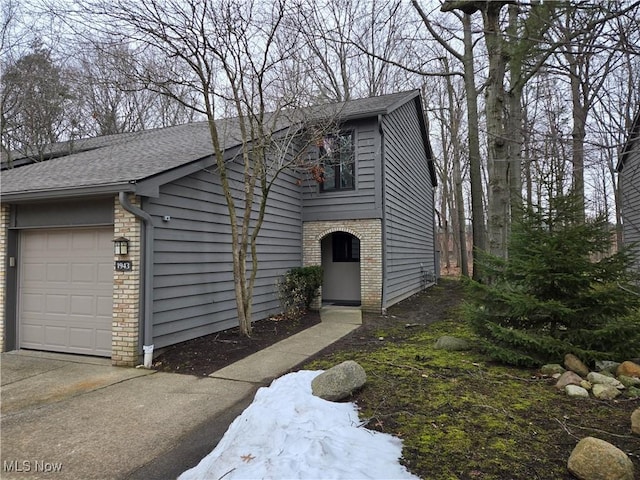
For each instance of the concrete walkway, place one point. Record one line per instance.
(75, 417)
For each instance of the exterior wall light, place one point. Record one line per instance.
(121, 246)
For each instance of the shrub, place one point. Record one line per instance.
(297, 289)
(558, 292)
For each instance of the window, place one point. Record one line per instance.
(346, 247)
(337, 160)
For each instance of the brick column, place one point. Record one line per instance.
(127, 290)
(5, 213)
(369, 232)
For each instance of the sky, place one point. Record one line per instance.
(288, 433)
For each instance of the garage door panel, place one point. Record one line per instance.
(105, 275)
(33, 303)
(82, 305)
(66, 290)
(84, 272)
(56, 304)
(57, 272)
(57, 240)
(34, 272)
(55, 336)
(104, 307)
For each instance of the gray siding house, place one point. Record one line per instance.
(629, 179)
(369, 222)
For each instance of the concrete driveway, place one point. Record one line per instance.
(67, 416)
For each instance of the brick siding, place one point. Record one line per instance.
(126, 290)
(5, 211)
(369, 232)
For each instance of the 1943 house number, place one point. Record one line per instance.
(124, 265)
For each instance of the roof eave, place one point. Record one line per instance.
(62, 193)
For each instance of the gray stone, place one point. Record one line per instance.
(595, 459)
(633, 392)
(629, 381)
(607, 366)
(573, 363)
(339, 382)
(551, 369)
(576, 391)
(635, 421)
(598, 378)
(568, 378)
(605, 392)
(451, 343)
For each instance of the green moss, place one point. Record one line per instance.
(458, 415)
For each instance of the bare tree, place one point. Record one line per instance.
(230, 53)
(466, 59)
(34, 97)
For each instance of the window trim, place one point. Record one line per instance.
(351, 254)
(337, 172)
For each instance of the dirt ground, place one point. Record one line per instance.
(207, 354)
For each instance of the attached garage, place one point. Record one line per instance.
(66, 290)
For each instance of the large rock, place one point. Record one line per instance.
(568, 378)
(339, 382)
(451, 343)
(629, 381)
(607, 366)
(628, 369)
(598, 378)
(605, 392)
(633, 392)
(595, 459)
(635, 421)
(573, 363)
(576, 391)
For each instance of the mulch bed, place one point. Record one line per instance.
(203, 356)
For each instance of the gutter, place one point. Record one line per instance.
(383, 296)
(147, 262)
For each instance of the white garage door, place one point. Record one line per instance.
(66, 290)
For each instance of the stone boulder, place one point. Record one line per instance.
(339, 382)
(576, 392)
(633, 392)
(628, 369)
(629, 381)
(605, 392)
(595, 459)
(598, 378)
(573, 363)
(635, 421)
(568, 378)
(452, 344)
(607, 366)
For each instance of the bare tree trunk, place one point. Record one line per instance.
(498, 146)
(457, 175)
(475, 168)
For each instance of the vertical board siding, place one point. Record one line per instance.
(359, 203)
(193, 271)
(409, 209)
(630, 176)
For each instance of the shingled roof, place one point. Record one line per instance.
(118, 162)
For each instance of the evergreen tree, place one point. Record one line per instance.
(558, 292)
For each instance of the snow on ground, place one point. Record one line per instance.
(288, 433)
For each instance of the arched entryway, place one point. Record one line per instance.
(341, 267)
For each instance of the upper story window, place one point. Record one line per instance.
(337, 159)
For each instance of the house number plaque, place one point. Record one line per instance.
(124, 265)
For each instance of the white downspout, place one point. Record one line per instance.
(147, 302)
